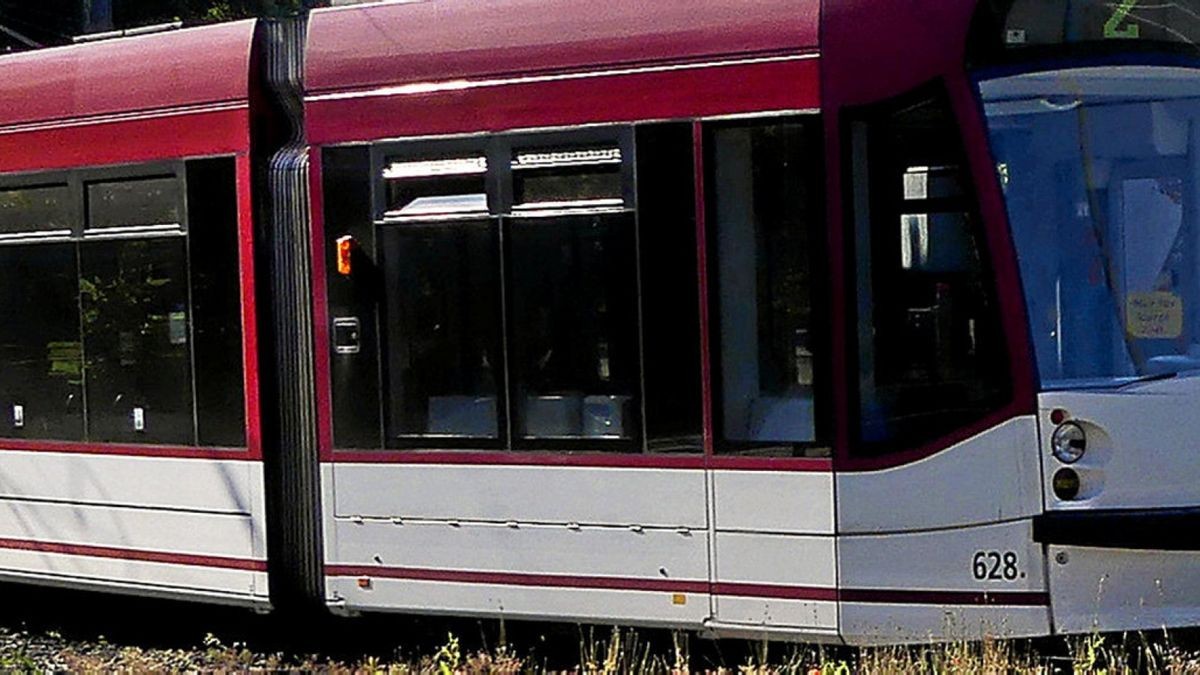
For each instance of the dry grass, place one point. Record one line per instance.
(617, 652)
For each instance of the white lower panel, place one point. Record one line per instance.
(946, 560)
(128, 528)
(871, 623)
(795, 502)
(652, 608)
(763, 579)
(1119, 590)
(659, 555)
(777, 612)
(135, 576)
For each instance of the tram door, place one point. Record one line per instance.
(773, 553)
(934, 506)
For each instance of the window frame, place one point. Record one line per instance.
(821, 298)
(980, 198)
(77, 180)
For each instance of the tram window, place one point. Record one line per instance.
(136, 340)
(436, 187)
(134, 203)
(40, 353)
(766, 207)
(442, 324)
(216, 297)
(931, 348)
(554, 178)
(575, 326)
(34, 209)
(670, 296)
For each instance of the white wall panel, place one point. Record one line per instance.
(992, 477)
(797, 502)
(202, 485)
(585, 495)
(942, 560)
(556, 604)
(589, 551)
(873, 624)
(134, 576)
(1117, 590)
(137, 529)
(776, 560)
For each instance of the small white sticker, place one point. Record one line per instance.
(1015, 37)
(139, 419)
(19, 416)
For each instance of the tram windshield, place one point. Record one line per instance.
(1100, 169)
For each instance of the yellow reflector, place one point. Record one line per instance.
(345, 250)
(679, 599)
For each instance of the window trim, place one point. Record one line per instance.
(824, 372)
(984, 195)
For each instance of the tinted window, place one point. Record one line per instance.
(40, 351)
(666, 199)
(443, 329)
(931, 351)
(131, 203)
(30, 209)
(137, 337)
(765, 202)
(216, 302)
(353, 298)
(575, 326)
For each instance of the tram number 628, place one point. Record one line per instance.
(996, 566)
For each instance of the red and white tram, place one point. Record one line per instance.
(862, 321)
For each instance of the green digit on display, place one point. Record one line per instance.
(1113, 28)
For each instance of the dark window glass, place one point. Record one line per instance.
(40, 352)
(216, 298)
(575, 326)
(131, 203)
(670, 292)
(354, 298)
(557, 178)
(136, 338)
(766, 205)
(442, 323)
(932, 356)
(436, 187)
(30, 209)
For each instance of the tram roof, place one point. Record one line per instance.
(176, 69)
(412, 42)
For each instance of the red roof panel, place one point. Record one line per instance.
(187, 67)
(396, 43)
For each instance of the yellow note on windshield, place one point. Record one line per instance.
(1152, 316)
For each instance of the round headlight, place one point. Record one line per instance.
(1069, 442)
(1066, 484)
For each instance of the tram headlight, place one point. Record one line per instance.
(1069, 442)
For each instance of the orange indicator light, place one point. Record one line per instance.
(345, 250)
(364, 583)
(679, 599)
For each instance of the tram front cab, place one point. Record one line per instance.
(1093, 115)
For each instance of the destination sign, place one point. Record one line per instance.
(1034, 23)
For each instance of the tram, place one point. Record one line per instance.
(827, 320)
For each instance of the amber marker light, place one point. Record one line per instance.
(1066, 484)
(364, 583)
(345, 252)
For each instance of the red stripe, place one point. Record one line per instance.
(130, 554)
(158, 451)
(879, 596)
(320, 306)
(702, 283)
(774, 591)
(516, 579)
(898, 597)
(249, 310)
(613, 461)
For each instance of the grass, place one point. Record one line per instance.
(619, 651)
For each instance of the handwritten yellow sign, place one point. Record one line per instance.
(1156, 315)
